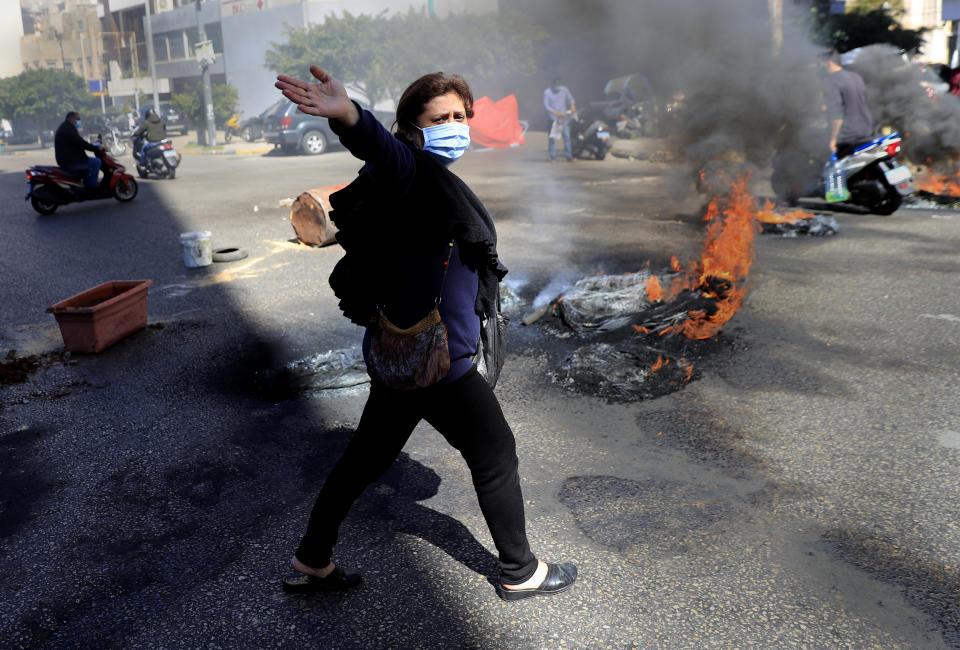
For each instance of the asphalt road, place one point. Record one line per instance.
(802, 492)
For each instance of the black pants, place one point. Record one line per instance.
(844, 149)
(467, 414)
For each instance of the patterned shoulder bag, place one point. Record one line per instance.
(414, 357)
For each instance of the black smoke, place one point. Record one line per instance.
(905, 96)
(742, 97)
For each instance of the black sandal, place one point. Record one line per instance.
(560, 577)
(338, 580)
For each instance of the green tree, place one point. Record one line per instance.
(42, 97)
(190, 103)
(383, 53)
(864, 24)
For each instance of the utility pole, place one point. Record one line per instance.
(151, 59)
(205, 72)
(97, 44)
(776, 24)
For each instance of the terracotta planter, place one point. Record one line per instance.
(94, 320)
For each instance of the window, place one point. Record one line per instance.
(178, 50)
(160, 47)
(215, 34)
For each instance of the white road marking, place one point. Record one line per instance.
(949, 317)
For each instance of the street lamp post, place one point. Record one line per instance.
(151, 59)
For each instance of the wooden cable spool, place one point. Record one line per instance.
(310, 216)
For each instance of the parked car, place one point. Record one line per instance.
(28, 135)
(174, 119)
(294, 131)
(252, 128)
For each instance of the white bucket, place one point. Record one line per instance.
(196, 249)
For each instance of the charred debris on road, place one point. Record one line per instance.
(644, 334)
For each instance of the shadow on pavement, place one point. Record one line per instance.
(170, 489)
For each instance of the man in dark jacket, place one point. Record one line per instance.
(153, 129)
(70, 150)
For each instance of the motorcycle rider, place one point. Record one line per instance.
(850, 122)
(70, 150)
(151, 131)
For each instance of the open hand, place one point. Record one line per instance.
(327, 98)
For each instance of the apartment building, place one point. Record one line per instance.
(104, 41)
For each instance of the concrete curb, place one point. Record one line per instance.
(254, 151)
(249, 151)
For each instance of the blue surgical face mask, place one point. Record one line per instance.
(79, 123)
(448, 140)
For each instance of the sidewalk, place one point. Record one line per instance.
(187, 145)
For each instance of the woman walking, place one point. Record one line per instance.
(421, 265)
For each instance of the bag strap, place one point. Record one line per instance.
(446, 266)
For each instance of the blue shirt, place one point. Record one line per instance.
(559, 100)
(391, 164)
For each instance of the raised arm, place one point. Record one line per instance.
(326, 98)
(359, 131)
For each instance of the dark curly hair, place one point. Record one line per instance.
(418, 95)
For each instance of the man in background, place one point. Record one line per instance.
(850, 122)
(560, 107)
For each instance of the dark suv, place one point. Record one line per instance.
(173, 119)
(294, 130)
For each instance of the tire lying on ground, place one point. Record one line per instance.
(229, 254)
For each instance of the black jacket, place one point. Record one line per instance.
(69, 147)
(378, 231)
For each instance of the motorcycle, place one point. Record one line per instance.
(876, 182)
(589, 137)
(49, 187)
(231, 127)
(630, 105)
(160, 159)
(114, 142)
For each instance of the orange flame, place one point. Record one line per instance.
(943, 185)
(724, 268)
(725, 262)
(654, 290)
(661, 362)
(769, 214)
